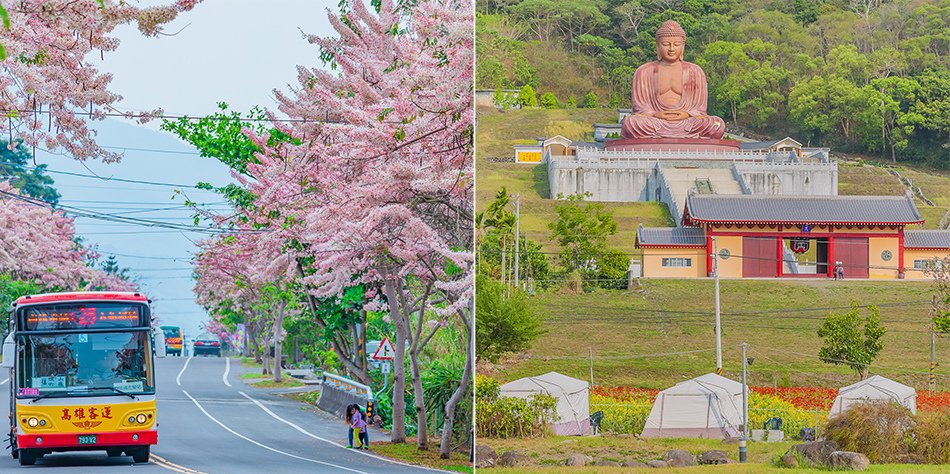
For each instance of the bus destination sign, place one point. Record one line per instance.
(81, 316)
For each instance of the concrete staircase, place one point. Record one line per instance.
(701, 180)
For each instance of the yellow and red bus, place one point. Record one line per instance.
(174, 341)
(82, 375)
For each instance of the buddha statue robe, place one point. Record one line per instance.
(646, 102)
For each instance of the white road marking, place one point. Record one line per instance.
(4, 381)
(178, 379)
(363, 452)
(239, 435)
(227, 368)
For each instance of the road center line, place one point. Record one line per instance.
(166, 466)
(178, 379)
(303, 431)
(227, 369)
(239, 435)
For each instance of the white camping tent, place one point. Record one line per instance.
(709, 406)
(875, 388)
(573, 402)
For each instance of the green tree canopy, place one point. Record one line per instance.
(852, 340)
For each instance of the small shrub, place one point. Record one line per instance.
(548, 101)
(571, 102)
(591, 101)
(510, 417)
(486, 388)
(573, 284)
(933, 437)
(881, 431)
(526, 97)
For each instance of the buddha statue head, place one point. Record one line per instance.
(670, 42)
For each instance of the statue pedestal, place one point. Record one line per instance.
(672, 144)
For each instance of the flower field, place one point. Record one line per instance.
(626, 408)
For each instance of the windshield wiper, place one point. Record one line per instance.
(120, 392)
(45, 395)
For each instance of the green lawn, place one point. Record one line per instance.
(286, 382)
(407, 452)
(670, 316)
(548, 453)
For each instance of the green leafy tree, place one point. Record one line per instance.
(29, 180)
(852, 340)
(503, 324)
(548, 101)
(526, 97)
(571, 102)
(591, 101)
(581, 230)
(10, 290)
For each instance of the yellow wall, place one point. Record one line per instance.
(528, 156)
(732, 266)
(911, 255)
(653, 263)
(876, 246)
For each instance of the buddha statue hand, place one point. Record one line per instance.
(672, 115)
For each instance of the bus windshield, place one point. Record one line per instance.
(85, 364)
(171, 331)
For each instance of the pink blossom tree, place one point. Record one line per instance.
(50, 87)
(375, 182)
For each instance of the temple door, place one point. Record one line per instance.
(852, 252)
(759, 257)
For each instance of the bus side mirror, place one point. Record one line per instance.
(9, 352)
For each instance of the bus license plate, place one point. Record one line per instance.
(87, 439)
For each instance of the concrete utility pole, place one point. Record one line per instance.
(745, 408)
(517, 237)
(932, 386)
(715, 260)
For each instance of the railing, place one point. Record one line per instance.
(743, 185)
(666, 196)
(597, 154)
(786, 165)
(347, 385)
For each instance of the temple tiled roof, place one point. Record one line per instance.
(671, 236)
(927, 239)
(802, 209)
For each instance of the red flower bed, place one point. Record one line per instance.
(808, 398)
(939, 401)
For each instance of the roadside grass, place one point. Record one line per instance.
(250, 363)
(407, 452)
(254, 375)
(779, 319)
(287, 382)
(306, 397)
(550, 453)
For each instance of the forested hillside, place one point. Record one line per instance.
(869, 76)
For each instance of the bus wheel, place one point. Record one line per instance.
(114, 452)
(27, 457)
(141, 454)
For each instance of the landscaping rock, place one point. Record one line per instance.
(788, 460)
(485, 456)
(714, 457)
(679, 458)
(607, 463)
(848, 460)
(633, 464)
(816, 452)
(513, 459)
(578, 459)
(656, 463)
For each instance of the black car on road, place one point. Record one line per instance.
(207, 343)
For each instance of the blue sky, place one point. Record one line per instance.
(237, 51)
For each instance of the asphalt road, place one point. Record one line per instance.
(211, 422)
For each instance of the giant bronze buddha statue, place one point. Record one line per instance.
(669, 94)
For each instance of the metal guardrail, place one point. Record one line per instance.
(347, 385)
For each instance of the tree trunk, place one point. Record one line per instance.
(448, 422)
(398, 434)
(278, 346)
(421, 429)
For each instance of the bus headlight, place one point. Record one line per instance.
(33, 422)
(141, 418)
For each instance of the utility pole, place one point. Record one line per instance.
(517, 237)
(745, 408)
(715, 260)
(932, 386)
(591, 366)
